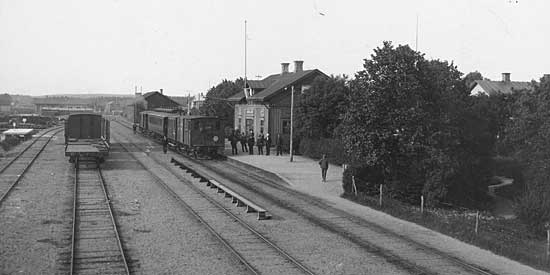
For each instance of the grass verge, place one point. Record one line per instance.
(508, 238)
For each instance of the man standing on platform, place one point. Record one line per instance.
(260, 143)
(251, 142)
(242, 139)
(233, 140)
(267, 141)
(279, 144)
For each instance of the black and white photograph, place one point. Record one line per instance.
(275, 137)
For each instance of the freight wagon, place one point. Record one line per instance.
(87, 137)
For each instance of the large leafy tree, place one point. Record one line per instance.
(216, 103)
(321, 107)
(526, 138)
(408, 120)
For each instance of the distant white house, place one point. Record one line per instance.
(505, 86)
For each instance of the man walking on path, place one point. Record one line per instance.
(279, 144)
(251, 142)
(242, 139)
(324, 167)
(267, 141)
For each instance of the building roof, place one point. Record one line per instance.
(503, 87)
(272, 84)
(13, 132)
(5, 99)
(149, 94)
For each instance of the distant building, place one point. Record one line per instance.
(264, 105)
(6, 103)
(148, 101)
(505, 86)
(61, 104)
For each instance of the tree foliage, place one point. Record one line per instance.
(470, 78)
(526, 140)
(216, 103)
(321, 107)
(409, 119)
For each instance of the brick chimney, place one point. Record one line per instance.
(505, 77)
(161, 91)
(284, 68)
(298, 66)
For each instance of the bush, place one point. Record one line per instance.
(9, 143)
(533, 208)
(315, 148)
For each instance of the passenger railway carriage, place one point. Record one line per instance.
(197, 135)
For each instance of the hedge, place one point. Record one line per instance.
(315, 148)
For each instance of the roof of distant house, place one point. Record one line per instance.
(272, 84)
(146, 95)
(503, 87)
(5, 99)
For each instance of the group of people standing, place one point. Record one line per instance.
(261, 141)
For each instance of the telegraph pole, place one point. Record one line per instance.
(291, 122)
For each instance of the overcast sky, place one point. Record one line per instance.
(108, 46)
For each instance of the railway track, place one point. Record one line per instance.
(251, 248)
(13, 171)
(411, 255)
(96, 245)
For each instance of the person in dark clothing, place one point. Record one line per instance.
(134, 126)
(324, 167)
(279, 144)
(267, 141)
(233, 140)
(165, 144)
(243, 140)
(251, 143)
(260, 144)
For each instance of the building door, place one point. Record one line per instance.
(249, 125)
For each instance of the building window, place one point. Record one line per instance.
(262, 113)
(286, 126)
(249, 111)
(262, 125)
(239, 124)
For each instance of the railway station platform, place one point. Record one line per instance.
(304, 175)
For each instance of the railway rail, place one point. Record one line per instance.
(96, 245)
(411, 255)
(13, 171)
(237, 235)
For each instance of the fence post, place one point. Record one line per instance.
(547, 243)
(421, 204)
(353, 185)
(380, 195)
(477, 221)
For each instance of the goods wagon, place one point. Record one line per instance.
(87, 137)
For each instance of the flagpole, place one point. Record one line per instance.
(245, 55)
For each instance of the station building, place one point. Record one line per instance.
(264, 105)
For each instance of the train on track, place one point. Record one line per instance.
(87, 137)
(194, 135)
